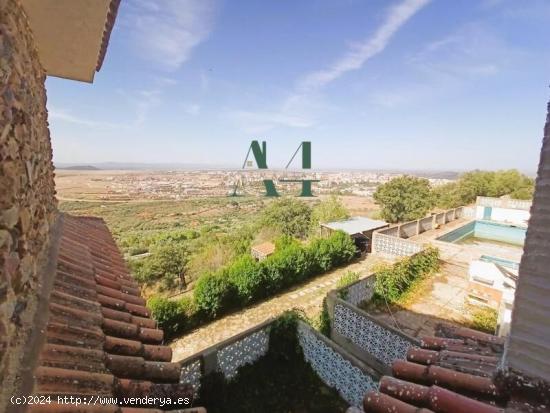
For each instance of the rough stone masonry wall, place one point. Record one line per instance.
(528, 350)
(27, 194)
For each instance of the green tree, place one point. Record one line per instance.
(330, 209)
(447, 196)
(167, 262)
(404, 198)
(288, 215)
(509, 182)
(475, 183)
(483, 183)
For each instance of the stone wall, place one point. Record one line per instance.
(27, 194)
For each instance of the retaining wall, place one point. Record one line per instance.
(393, 241)
(335, 366)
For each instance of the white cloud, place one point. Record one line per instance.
(166, 32)
(355, 58)
(260, 122)
(59, 114)
(192, 109)
(302, 106)
(143, 101)
(471, 51)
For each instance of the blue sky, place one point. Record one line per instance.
(401, 84)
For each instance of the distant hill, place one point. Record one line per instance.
(79, 168)
(437, 174)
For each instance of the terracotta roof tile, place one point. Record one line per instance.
(99, 338)
(71, 408)
(453, 372)
(58, 381)
(265, 248)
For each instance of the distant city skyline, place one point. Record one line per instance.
(400, 85)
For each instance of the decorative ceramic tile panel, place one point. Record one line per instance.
(191, 374)
(382, 343)
(360, 291)
(246, 350)
(351, 382)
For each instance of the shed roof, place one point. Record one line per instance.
(356, 225)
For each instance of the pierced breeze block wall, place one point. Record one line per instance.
(27, 194)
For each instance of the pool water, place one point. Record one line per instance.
(486, 230)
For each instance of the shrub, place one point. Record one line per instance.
(168, 314)
(392, 281)
(288, 266)
(347, 279)
(323, 324)
(484, 319)
(214, 293)
(245, 280)
(247, 276)
(335, 250)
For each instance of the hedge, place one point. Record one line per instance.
(245, 280)
(393, 281)
(173, 315)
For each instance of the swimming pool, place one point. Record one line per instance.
(486, 230)
(500, 261)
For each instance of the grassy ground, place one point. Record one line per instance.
(209, 220)
(220, 215)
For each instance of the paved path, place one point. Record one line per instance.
(443, 300)
(308, 297)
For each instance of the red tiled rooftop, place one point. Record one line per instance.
(450, 373)
(265, 248)
(99, 338)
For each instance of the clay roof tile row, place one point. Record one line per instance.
(450, 373)
(99, 338)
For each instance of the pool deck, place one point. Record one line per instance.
(445, 295)
(444, 300)
(465, 253)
